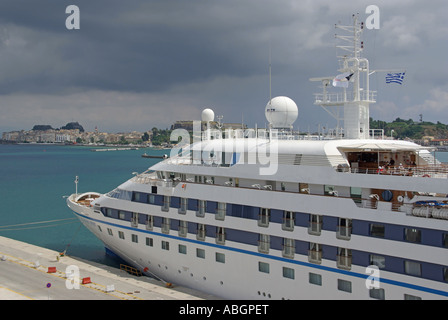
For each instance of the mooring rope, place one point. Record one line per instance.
(12, 226)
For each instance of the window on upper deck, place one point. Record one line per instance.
(328, 190)
(355, 194)
(377, 230)
(378, 261)
(412, 235)
(413, 268)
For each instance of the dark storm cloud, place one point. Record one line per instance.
(132, 45)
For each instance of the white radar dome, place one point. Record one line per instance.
(281, 112)
(208, 115)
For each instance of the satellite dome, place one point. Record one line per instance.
(281, 112)
(208, 115)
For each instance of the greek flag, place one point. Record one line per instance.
(395, 77)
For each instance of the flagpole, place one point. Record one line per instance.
(387, 70)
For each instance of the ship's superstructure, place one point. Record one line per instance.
(266, 214)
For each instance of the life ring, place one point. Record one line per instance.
(400, 198)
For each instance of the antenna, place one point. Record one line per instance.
(270, 82)
(219, 122)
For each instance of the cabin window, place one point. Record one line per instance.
(378, 261)
(165, 245)
(328, 190)
(263, 267)
(263, 243)
(355, 194)
(315, 253)
(220, 235)
(413, 268)
(221, 211)
(149, 222)
(315, 278)
(183, 228)
(377, 230)
(344, 285)
(200, 253)
(288, 221)
(412, 235)
(166, 225)
(134, 238)
(166, 203)
(344, 230)
(263, 217)
(183, 205)
(220, 257)
(315, 226)
(201, 208)
(377, 293)
(288, 248)
(121, 235)
(136, 196)
(411, 297)
(182, 249)
(344, 258)
(134, 219)
(288, 273)
(149, 242)
(201, 232)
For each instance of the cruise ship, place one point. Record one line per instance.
(272, 214)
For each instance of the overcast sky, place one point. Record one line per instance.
(138, 64)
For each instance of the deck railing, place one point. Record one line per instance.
(437, 171)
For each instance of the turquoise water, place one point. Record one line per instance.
(34, 179)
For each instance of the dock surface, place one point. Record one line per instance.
(29, 272)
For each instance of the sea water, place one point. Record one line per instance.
(36, 178)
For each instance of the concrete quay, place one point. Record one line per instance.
(24, 275)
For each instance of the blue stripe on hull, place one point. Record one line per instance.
(266, 256)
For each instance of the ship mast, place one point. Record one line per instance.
(354, 75)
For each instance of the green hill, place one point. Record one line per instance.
(410, 129)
